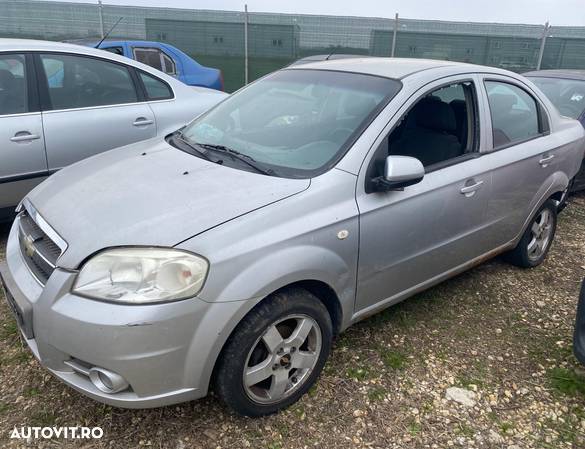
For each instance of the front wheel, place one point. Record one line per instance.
(275, 354)
(537, 239)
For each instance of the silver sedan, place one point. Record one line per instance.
(60, 103)
(230, 253)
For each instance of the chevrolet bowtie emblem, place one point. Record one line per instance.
(29, 246)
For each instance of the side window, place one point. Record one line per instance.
(78, 82)
(439, 127)
(514, 114)
(115, 50)
(155, 88)
(156, 58)
(13, 90)
(168, 65)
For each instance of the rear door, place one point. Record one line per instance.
(523, 155)
(90, 105)
(22, 146)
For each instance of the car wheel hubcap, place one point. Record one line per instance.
(541, 233)
(282, 359)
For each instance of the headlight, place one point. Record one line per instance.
(141, 275)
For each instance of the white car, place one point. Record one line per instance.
(60, 103)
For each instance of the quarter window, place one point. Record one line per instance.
(514, 113)
(13, 91)
(156, 59)
(155, 88)
(79, 82)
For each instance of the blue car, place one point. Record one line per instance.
(167, 59)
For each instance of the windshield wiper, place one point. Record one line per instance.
(197, 148)
(249, 160)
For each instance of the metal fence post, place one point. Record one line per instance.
(394, 36)
(246, 73)
(542, 45)
(101, 11)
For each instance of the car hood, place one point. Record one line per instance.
(148, 193)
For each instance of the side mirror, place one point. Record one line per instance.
(399, 172)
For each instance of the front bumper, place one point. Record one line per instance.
(166, 352)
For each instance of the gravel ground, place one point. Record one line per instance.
(501, 333)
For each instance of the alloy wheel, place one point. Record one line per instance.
(282, 359)
(541, 229)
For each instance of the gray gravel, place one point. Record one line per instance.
(500, 334)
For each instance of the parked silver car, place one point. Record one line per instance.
(232, 252)
(60, 103)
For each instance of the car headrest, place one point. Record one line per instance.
(437, 116)
(359, 106)
(7, 80)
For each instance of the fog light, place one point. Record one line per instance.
(107, 381)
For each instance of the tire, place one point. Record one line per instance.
(540, 231)
(286, 367)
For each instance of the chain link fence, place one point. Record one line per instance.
(216, 38)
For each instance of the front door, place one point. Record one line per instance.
(412, 238)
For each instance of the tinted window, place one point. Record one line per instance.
(155, 88)
(13, 91)
(78, 82)
(296, 122)
(567, 95)
(439, 127)
(149, 56)
(168, 65)
(514, 113)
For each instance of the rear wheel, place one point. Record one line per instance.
(537, 239)
(275, 354)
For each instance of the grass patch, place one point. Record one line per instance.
(4, 408)
(376, 394)
(393, 359)
(9, 329)
(42, 418)
(360, 373)
(31, 392)
(414, 428)
(567, 381)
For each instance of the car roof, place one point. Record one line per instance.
(558, 73)
(110, 42)
(396, 68)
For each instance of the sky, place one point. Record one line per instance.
(557, 12)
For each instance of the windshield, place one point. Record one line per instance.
(567, 95)
(297, 123)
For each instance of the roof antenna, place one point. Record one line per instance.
(108, 33)
(330, 54)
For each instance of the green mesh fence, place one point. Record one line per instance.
(216, 38)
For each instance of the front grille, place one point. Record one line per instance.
(38, 250)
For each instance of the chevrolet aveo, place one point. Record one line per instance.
(231, 252)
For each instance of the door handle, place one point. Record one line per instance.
(142, 121)
(470, 190)
(24, 137)
(546, 160)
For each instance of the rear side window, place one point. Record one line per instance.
(155, 88)
(13, 91)
(514, 113)
(155, 58)
(78, 82)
